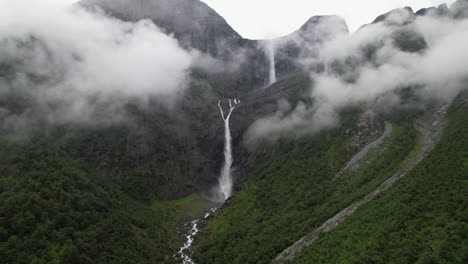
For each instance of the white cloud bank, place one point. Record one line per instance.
(440, 70)
(76, 65)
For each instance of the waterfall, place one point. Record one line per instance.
(186, 259)
(185, 252)
(271, 56)
(225, 179)
(223, 190)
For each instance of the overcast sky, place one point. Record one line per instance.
(271, 18)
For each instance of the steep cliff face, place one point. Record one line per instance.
(192, 22)
(192, 130)
(459, 9)
(196, 26)
(397, 16)
(270, 186)
(305, 41)
(439, 11)
(199, 27)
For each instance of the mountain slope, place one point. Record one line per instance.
(288, 193)
(429, 129)
(292, 190)
(54, 211)
(423, 219)
(117, 193)
(193, 23)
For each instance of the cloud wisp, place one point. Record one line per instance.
(67, 64)
(372, 66)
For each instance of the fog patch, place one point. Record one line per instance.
(66, 64)
(370, 66)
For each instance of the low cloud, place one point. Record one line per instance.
(371, 66)
(62, 63)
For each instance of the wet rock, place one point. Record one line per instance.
(369, 127)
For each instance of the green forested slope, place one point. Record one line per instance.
(54, 211)
(422, 219)
(292, 193)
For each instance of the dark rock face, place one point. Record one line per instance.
(321, 28)
(409, 40)
(192, 22)
(459, 9)
(461, 101)
(441, 10)
(305, 41)
(257, 104)
(198, 26)
(369, 127)
(399, 16)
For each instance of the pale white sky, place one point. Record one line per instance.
(271, 18)
(258, 19)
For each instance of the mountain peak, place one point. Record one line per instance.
(396, 16)
(459, 9)
(192, 22)
(335, 21)
(440, 10)
(320, 28)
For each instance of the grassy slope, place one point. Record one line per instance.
(288, 196)
(189, 207)
(422, 219)
(52, 210)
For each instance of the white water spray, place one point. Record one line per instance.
(185, 251)
(223, 191)
(271, 56)
(225, 179)
(189, 241)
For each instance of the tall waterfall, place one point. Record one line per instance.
(271, 57)
(225, 179)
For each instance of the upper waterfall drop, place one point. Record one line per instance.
(271, 58)
(225, 179)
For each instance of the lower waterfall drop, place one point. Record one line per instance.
(225, 179)
(222, 192)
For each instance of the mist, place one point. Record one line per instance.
(371, 66)
(67, 64)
